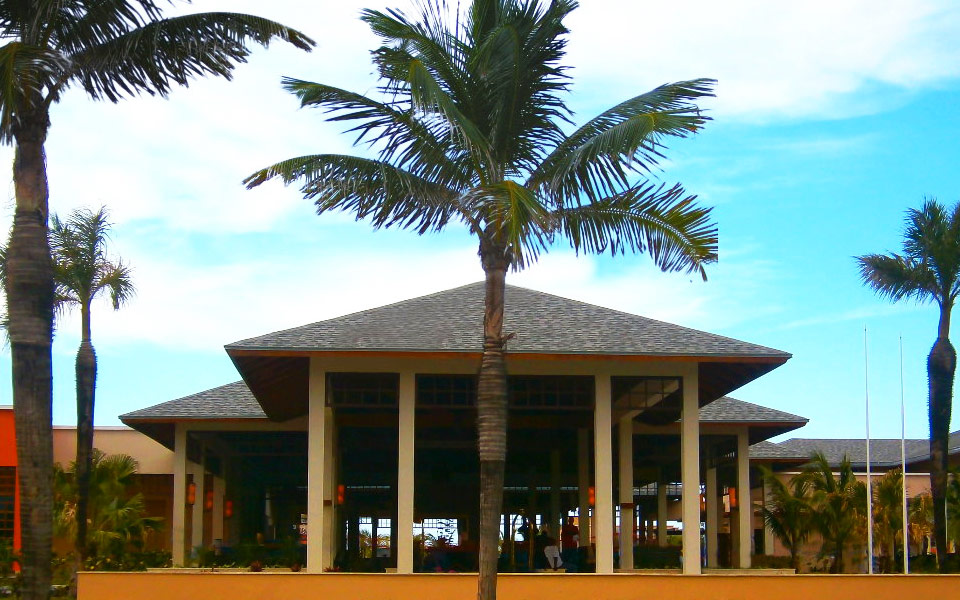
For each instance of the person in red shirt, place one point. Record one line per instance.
(569, 545)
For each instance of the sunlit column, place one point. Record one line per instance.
(690, 473)
(178, 526)
(316, 481)
(405, 471)
(626, 492)
(744, 502)
(603, 473)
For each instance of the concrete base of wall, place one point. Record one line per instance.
(734, 586)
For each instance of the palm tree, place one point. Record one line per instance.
(117, 516)
(928, 270)
(839, 504)
(789, 514)
(82, 272)
(888, 515)
(469, 129)
(110, 50)
(921, 520)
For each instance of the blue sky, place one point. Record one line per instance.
(831, 119)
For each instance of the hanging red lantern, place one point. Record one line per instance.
(191, 493)
(208, 501)
(733, 497)
(228, 509)
(341, 493)
(592, 495)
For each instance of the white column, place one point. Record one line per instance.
(178, 526)
(583, 485)
(603, 474)
(744, 501)
(196, 531)
(690, 473)
(662, 512)
(405, 472)
(216, 529)
(713, 518)
(626, 492)
(317, 493)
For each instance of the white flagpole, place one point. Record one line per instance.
(866, 394)
(903, 470)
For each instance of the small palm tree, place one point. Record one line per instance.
(109, 50)
(928, 270)
(788, 514)
(470, 129)
(888, 515)
(921, 520)
(82, 272)
(839, 504)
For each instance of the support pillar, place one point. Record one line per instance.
(179, 522)
(711, 505)
(317, 493)
(744, 502)
(626, 492)
(603, 473)
(405, 471)
(690, 473)
(216, 528)
(199, 478)
(583, 485)
(662, 512)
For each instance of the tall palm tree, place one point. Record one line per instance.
(468, 128)
(928, 270)
(110, 50)
(788, 514)
(839, 505)
(82, 272)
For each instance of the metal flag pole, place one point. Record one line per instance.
(903, 470)
(866, 394)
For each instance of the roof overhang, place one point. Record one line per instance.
(279, 379)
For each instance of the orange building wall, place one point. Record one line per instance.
(256, 586)
(8, 458)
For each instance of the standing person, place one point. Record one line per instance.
(569, 544)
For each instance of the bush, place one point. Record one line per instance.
(764, 561)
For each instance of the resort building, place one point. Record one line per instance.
(363, 426)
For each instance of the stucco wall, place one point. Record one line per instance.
(256, 586)
(153, 457)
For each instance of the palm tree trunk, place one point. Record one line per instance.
(86, 371)
(491, 417)
(29, 290)
(941, 365)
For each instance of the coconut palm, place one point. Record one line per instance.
(888, 515)
(928, 270)
(82, 272)
(839, 504)
(109, 50)
(469, 129)
(788, 514)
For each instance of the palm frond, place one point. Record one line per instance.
(663, 222)
(154, 58)
(515, 218)
(596, 159)
(372, 189)
(26, 72)
(897, 277)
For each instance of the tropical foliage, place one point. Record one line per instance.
(839, 505)
(928, 270)
(888, 517)
(108, 50)
(116, 519)
(788, 514)
(470, 127)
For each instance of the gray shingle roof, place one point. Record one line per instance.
(231, 401)
(451, 321)
(731, 410)
(883, 452)
(772, 451)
